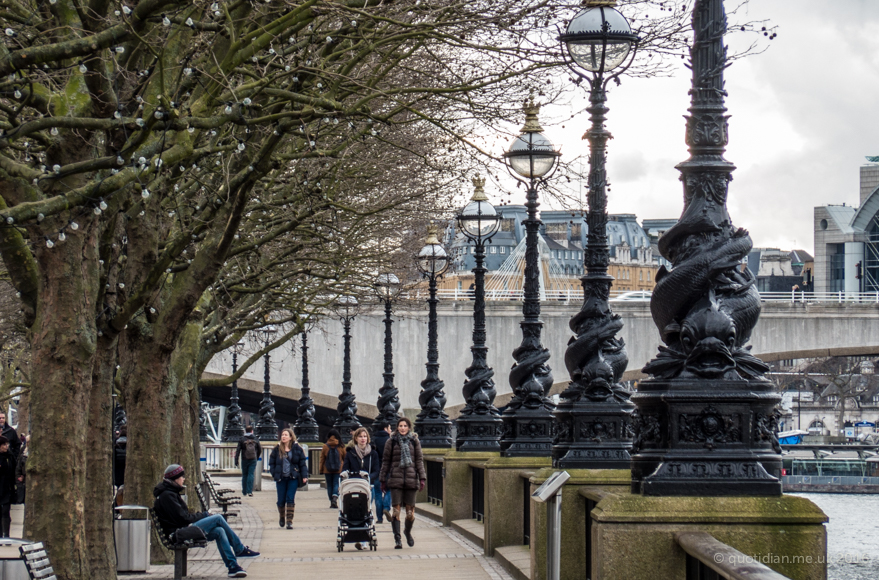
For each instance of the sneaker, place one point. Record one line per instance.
(237, 572)
(247, 553)
(249, 495)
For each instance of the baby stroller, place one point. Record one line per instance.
(356, 520)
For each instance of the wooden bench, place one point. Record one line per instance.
(37, 561)
(206, 508)
(221, 497)
(179, 549)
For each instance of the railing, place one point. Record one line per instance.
(590, 505)
(711, 559)
(434, 482)
(830, 480)
(576, 296)
(221, 456)
(478, 493)
(526, 511)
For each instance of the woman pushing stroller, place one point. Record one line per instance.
(360, 456)
(404, 475)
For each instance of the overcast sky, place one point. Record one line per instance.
(805, 113)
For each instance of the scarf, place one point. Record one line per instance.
(405, 452)
(361, 453)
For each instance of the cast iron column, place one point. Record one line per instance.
(388, 397)
(266, 428)
(306, 428)
(432, 424)
(479, 425)
(706, 421)
(233, 430)
(347, 407)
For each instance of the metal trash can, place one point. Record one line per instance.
(132, 538)
(12, 567)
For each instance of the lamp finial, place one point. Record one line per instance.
(432, 233)
(531, 109)
(599, 3)
(479, 189)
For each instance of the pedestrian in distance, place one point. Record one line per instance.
(361, 457)
(7, 431)
(289, 468)
(404, 475)
(7, 486)
(248, 451)
(173, 515)
(332, 457)
(382, 499)
(21, 471)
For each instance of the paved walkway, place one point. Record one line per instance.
(310, 547)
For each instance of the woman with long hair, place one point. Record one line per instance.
(403, 473)
(360, 457)
(289, 468)
(332, 458)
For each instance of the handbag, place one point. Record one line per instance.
(189, 534)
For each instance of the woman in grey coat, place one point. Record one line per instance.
(403, 473)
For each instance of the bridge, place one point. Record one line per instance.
(786, 330)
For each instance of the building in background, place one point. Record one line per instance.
(781, 270)
(847, 240)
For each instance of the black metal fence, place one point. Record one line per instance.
(696, 570)
(526, 512)
(478, 491)
(434, 482)
(590, 505)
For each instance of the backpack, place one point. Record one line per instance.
(250, 449)
(333, 462)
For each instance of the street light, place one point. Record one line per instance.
(266, 428)
(707, 417)
(233, 430)
(479, 424)
(432, 424)
(594, 414)
(306, 427)
(346, 308)
(528, 421)
(387, 288)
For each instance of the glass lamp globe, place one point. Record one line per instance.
(346, 305)
(432, 260)
(387, 286)
(479, 218)
(599, 38)
(531, 155)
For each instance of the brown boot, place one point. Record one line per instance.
(281, 515)
(291, 509)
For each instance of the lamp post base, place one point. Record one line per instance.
(706, 437)
(346, 425)
(307, 433)
(593, 434)
(434, 433)
(266, 431)
(527, 433)
(479, 433)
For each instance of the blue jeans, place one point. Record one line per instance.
(332, 484)
(248, 468)
(287, 487)
(382, 501)
(216, 528)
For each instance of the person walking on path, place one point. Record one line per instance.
(332, 457)
(404, 475)
(7, 486)
(361, 457)
(7, 431)
(382, 499)
(249, 451)
(21, 471)
(289, 468)
(173, 514)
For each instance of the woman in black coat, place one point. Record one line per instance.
(360, 456)
(7, 486)
(288, 466)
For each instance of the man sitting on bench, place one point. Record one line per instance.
(173, 514)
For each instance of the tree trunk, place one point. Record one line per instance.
(63, 342)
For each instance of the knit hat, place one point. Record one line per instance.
(174, 471)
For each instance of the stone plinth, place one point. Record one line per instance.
(633, 536)
(505, 481)
(575, 553)
(457, 483)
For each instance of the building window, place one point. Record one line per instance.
(575, 230)
(837, 268)
(557, 231)
(503, 249)
(492, 250)
(472, 249)
(508, 225)
(460, 285)
(566, 255)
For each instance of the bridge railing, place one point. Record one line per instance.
(221, 456)
(576, 296)
(708, 557)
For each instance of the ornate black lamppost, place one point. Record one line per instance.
(432, 424)
(233, 430)
(347, 308)
(594, 414)
(479, 425)
(266, 428)
(306, 428)
(387, 288)
(528, 421)
(706, 420)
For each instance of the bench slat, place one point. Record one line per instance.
(42, 573)
(35, 555)
(32, 547)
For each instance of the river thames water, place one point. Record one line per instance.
(852, 534)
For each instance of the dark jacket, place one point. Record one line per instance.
(370, 464)
(119, 455)
(331, 442)
(7, 478)
(239, 451)
(379, 440)
(396, 477)
(170, 508)
(298, 465)
(14, 441)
